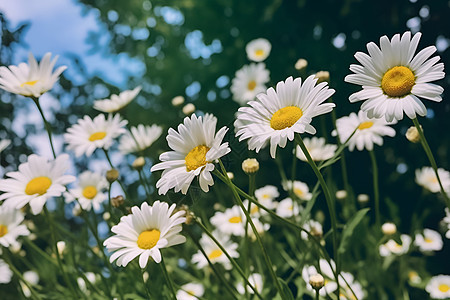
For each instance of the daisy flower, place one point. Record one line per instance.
(278, 114)
(90, 276)
(32, 79)
(255, 280)
(231, 221)
(89, 191)
(116, 102)
(326, 271)
(287, 208)
(144, 232)
(261, 228)
(196, 146)
(88, 135)
(313, 227)
(213, 252)
(300, 189)
(249, 81)
(393, 78)
(32, 278)
(266, 196)
(5, 272)
(429, 240)
(369, 131)
(446, 222)
(439, 287)
(426, 177)
(10, 227)
(392, 247)
(317, 149)
(349, 286)
(190, 291)
(139, 138)
(37, 180)
(258, 50)
(4, 144)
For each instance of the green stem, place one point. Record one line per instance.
(330, 203)
(168, 280)
(147, 292)
(41, 252)
(427, 149)
(16, 272)
(144, 184)
(112, 167)
(46, 125)
(376, 190)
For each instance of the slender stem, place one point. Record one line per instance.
(147, 291)
(46, 125)
(255, 232)
(317, 294)
(376, 190)
(427, 149)
(168, 280)
(144, 184)
(330, 204)
(251, 191)
(41, 252)
(112, 167)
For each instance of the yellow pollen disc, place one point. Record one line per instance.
(428, 240)
(191, 293)
(196, 157)
(251, 85)
(215, 254)
(90, 192)
(444, 287)
(38, 185)
(398, 81)
(33, 82)
(235, 220)
(97, 136)
(285, 117)
(259, 52)
(299, 192)
(365, 125)
(3, 230)
(148, 239)
(254, 209)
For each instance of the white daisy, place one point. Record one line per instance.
(32, 79)
(261, 228)
(255, 280)
(258, 50)
(446, 222)
(317, 149)
(326, 271)
(277, 115)
(350, 286)
(37, 180)
(231, 221)
(313, 227)
(426, 177)
(439, 287)
(214, 253)
(392, 247)
(300, 189)
(10, 227)
(287, 208)
(90, 191)
(255, 212)
(90, 276)
(196, 146)
(139, 138)
(116, 102)
(4, 144)
(369, 131)
(88, 135)
(32, 278)
(249, 81)
(266, 196)
(190, 291)
(393, 78)
(144, 232)
(5, 272)
(430, 240)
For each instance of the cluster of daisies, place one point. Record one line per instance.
(393, 78)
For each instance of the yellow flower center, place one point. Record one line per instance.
(444, 287)
(196, 157)
(254, 209)
(90, 192)
(38, 185)
(97, 136)
(299, 193)
(191, 293)
(3, 230)
(33, 82)
(398, 81)
(285, 117)
(365, 125)
(148, 239)
(235, 220)
(251, 85)
(259, 52)
(428, 240)
(216, 253)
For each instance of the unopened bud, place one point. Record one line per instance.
(316, 281)
(250, 165)
(389, 228)
(61, 245)
(322, 76)
(188, 109)
(138, 163)
(106, 216)
(301, 64)
(76, 210)
(32, 236)
(112, 175)
(230, 175)
(117, 201)
(412, 134)
(145, 276)
(178, 100)
(363, 198)
(341, 194)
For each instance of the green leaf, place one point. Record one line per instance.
(287, 294)
(350, 227)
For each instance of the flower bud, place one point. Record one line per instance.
(230, 175)
(61, 245)
(138, 163)
(250, 166)
(112, 175)
(106, 216)
(389, 228)
(117, 201)
(341, 194)
(363, 198)
(316, 281)
(188, 109)
(412, 134)
(301, 64)
(323, 76)
(178, 100)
